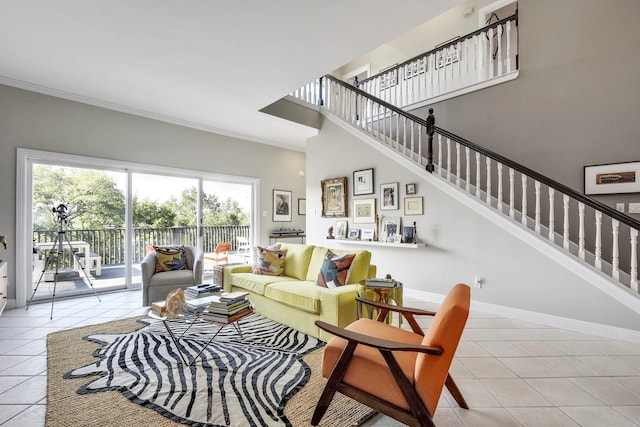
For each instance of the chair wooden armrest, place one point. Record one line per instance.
(406, 312)
(379, 343)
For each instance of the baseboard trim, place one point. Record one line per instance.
(597, 329)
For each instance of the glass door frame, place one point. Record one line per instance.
(26, 158)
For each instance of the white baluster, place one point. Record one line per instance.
(468, 169)
(581, 252)
(500, 187)
(478, 175)
(552, 214)
(512, 210)
(440, 154)
(524, 200)
(509, 46)
(384, 125)
(448, 159)
(499, 31)
(615, 253)
(598, 248)
(490, 55)
(634, 260)
(565, 233)
(413, 136)
(537, 226)
(457, 164)
(488, 160)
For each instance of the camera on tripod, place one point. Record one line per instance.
(62, 212)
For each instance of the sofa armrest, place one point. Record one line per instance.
(245, 268)
(198, 264)
(339, 306)
(148, 269)
(373, 270)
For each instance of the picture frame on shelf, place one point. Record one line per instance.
(411, 188)
(341, 229)
(397, 238)
(612, 178)
(302, 206)
(389, 227)
(389, 196)
(363, 182)
(408, 234)
(364, 211)
(413, 206)
(281, 206)
(334, 197)
(353, 234)
(367, 234)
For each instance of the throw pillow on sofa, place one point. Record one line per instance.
(270, 261)
(169, 258)
(335, 270)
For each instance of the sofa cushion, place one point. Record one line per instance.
(298, 258)
(170, 258)
(335, 270)
(270, 261)
(359, 267)
(301, 295)
(256, 283)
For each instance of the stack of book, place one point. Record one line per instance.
(381, 283)
(228, 307)
(203, 290)
(198, 305)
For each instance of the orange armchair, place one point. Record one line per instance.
(220, 253)
(395, 371)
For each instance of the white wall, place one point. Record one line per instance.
(460, 243)
(40, 122)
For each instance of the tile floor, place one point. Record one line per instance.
(512, 373)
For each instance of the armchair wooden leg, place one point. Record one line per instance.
(334, 379)
(455, 392)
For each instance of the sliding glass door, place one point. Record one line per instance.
(88, 222)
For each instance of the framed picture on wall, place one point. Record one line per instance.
(334, 197)
(612, 178)
(364, 211)
(389, 196)
(302, 206)
(281, 206)
(413, 206)
(363, 182)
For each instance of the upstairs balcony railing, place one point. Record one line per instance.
(110, 243)
(591, 231)
(479, 59)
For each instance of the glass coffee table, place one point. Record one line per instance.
(179, 326)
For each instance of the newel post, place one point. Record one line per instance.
(431, 122)
(320, 98)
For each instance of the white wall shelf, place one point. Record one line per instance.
(369, 243)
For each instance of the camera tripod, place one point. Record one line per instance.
(54, 257)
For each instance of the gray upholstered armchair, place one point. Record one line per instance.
(156, 286)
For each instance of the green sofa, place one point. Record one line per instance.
(294, 299)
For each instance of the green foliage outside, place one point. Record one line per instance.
(95, 202)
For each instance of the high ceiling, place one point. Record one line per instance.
(207, 64)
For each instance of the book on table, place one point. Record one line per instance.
(381, 283)
(232, 309)
(233, 296)
(199, 304)
(202, 290)
(225, 318)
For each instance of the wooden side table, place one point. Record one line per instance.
(381, 294)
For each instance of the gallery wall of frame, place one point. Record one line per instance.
(376, 219)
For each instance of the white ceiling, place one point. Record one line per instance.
(207, 64)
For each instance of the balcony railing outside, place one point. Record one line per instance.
(110, 243)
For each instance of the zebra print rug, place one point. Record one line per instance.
(237, 381)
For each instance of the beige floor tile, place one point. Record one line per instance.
(515, 392)
(502, 349)
(542, 417)
(490, 417)
(567, 366)
(562, 392)
(477, 395)
(483, 367)
(538, 348)
(631, 412)
(597, 416)
(609, 366)
(607, 390)
(527, 367)
(471, 349)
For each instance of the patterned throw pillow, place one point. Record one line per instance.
(169, 258)
(335, 270)
(270, 261)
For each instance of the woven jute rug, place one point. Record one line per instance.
(67, 350)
